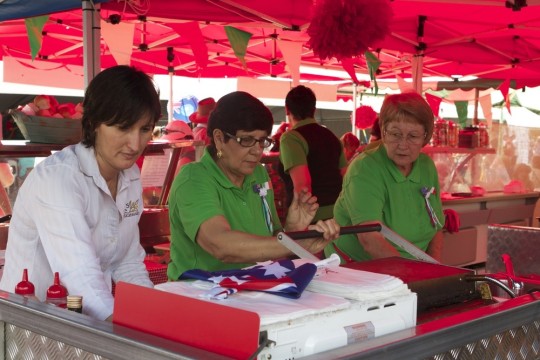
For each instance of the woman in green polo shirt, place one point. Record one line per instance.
(394, 184)
(221, 209)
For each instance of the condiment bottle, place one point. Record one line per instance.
(57, 293)
(483, 136)
(25, 287)
(74, 303)
(440, 133)
(453, 134)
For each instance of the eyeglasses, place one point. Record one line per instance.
(249, 141)
(394, 137)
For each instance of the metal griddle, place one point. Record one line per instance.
(436, 285)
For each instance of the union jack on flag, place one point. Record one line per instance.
(280, 277)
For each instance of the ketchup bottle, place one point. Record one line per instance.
(25, 287)
(57, 293)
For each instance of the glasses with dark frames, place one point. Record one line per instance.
(249, 141)
(394, 137)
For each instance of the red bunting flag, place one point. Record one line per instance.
(434, 103)
(292, 54)
(403, 85)
(34, 29)
(504, 88)
(348, 66)
(192, 32)
(239, 40)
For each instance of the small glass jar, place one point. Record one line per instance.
(440, 133)
(453, 134)
(483, 136)
(468, 137)
(74, 303)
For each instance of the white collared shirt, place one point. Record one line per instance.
(65, 220)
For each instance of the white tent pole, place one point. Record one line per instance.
(476, 96)
(353, 115)
(171, 93)
(417, 72)
(91, 40)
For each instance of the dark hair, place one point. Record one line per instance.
(408, 107)
(120, 95)
(238, 111)
(301, 102)
(376, 129)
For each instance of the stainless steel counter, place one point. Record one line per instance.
(33, 330)
(509, 329)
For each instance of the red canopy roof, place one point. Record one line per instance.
(477, 37)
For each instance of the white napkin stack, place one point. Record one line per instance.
(333, 279)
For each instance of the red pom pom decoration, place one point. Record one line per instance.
(365, 117)
(347, 28)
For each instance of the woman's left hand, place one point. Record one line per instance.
(302, 211)
(330, 232)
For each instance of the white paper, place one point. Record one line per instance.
(271, 308)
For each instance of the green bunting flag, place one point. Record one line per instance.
(373, 64)
(462, 109)
(34, 28)
(239, 41)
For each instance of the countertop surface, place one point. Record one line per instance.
(491, 196)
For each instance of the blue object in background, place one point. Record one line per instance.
(184, 107)
(21, 9)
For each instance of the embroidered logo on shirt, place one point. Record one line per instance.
(131, 209)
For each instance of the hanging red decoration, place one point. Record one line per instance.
(365, 117)
(346, 28)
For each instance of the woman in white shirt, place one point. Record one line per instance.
(78, 210)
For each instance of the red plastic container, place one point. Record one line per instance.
(25, 287)
(57, 293)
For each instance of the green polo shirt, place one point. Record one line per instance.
(375, 190)
(200, 192)
(293, 152)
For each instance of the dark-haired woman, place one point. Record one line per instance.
(221, 209)
(77, 211)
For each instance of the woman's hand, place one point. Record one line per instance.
(302, 210)
(330, 232)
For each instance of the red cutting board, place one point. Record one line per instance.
(206, 325)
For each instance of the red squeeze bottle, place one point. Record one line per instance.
(25, 287)
(57, 293)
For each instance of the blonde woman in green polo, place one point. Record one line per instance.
(395, 184)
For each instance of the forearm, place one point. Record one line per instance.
(376, 245)
(239, 247)
(5, 205)
(436, 245)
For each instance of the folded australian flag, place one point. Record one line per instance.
(280, 277)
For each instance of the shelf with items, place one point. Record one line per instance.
(461, 168)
